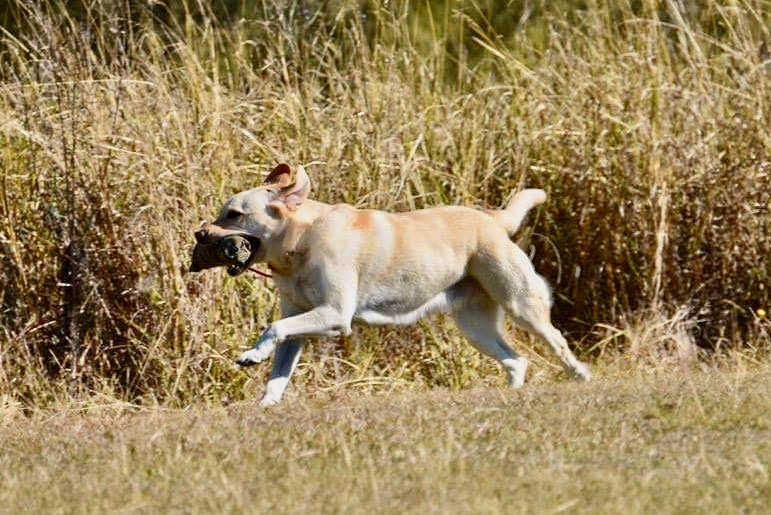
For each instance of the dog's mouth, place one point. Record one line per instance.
(235, 252)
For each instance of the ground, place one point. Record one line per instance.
(692, 440)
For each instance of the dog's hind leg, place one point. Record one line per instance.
(479, 317)
(510, 279)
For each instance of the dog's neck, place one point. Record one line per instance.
(287, 245)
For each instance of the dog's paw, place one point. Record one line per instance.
(260, 352)
(269, 400)
(582, 372)
(252, 357)
(516, 369)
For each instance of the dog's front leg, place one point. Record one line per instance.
(284, 363)
(324, 320)
(261, 351)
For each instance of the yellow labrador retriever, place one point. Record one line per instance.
(335, 264)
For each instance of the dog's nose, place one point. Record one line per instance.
(202, 234)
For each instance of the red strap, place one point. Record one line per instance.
(258, 272)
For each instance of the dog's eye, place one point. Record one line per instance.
(232, 215)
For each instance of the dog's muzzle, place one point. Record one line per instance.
(234, 251)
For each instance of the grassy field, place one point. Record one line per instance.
(633, 441)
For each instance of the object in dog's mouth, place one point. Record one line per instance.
(233, 251)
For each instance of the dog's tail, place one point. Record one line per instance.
(511, 217)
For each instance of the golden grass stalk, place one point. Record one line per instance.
(121, 129)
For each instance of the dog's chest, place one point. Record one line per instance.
(300, 291)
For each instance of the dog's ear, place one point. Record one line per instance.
(291, 194)
(281, 176)
(296, 193)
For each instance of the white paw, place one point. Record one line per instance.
(269, 400)
(261, 350)
(516, 369)
(253, 356)
(581, 372)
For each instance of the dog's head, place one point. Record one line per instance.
(249, 221)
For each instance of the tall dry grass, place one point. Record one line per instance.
(123, 125)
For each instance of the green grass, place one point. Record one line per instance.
(640, 440)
